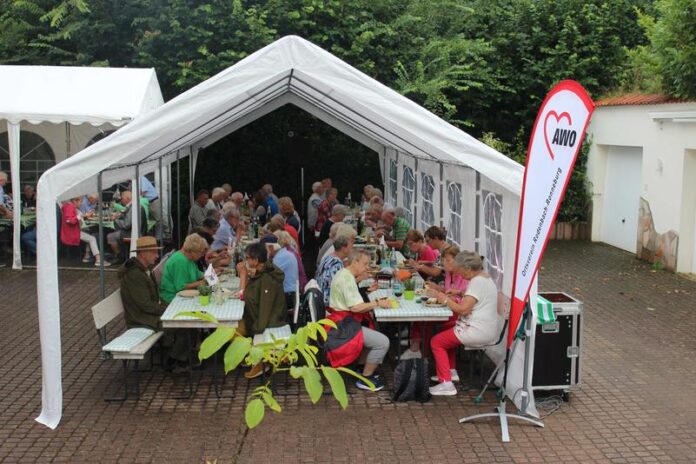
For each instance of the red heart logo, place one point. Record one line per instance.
(558, 119)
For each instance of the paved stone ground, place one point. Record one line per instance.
(636, 404)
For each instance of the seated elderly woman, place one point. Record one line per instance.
(287, 210)
(71, 233)
(264, 299)
(180, 271)
(454, 287)
(344, 230)
(477, 322)
(278, 221)
(327, 244)
(345, 300)
(338, 214)
(331, 264)
(287, 242)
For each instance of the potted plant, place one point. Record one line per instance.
(204, 295)
(409, 289)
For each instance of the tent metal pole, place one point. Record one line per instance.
(136, 225)
(396, 194)
(415, 195)
(302, 200)
(191, 176)
(178, 200)
(161, 206)
(477, 232)
(442, 195)
(100, 210)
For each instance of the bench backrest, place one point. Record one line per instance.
(107, 309)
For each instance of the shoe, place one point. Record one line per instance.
(86, 259)
(256, 371)
(443, 389)
(375, 379)
(106, 263)
(410, 354)
(454, 376)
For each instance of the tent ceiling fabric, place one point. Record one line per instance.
(299, 67)
(77, 95)
(290, 70)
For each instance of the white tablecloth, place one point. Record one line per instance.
(408, 310)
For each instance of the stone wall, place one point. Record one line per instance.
(652, 246)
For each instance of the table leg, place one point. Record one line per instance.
(189, 394)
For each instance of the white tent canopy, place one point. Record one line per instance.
(428, 165)
(76, 96)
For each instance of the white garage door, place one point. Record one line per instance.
(622, 197)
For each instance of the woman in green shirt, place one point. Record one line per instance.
(180, 270)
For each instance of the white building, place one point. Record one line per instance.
(642, 176)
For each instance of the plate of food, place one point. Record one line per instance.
(433, 303)
(234, 295)
(191, 293)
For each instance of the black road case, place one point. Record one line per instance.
(557, 348)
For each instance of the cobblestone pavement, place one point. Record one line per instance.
(636, 404)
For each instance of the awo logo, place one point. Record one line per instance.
(561, 136)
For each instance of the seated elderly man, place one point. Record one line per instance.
(141, 298)
(399, 228)
(199, 210)
(338, 213)
(180, 270)
(28, 197)
(268, 188)
(88, 205)
(313, 204)
(123, 224)
(230, 227)
(237, 198)
(220, 259)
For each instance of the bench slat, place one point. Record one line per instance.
(140, 350)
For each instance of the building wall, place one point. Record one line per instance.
(668, 195)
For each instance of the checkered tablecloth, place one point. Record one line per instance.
(408, 310)
(230, 311)
(229, 282)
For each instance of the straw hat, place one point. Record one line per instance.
(147, 244)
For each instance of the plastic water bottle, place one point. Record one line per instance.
(393, 258)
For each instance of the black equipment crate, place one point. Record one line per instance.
(557, 348)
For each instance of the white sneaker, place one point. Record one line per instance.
(453, 374)
(443, 389)
(409, 354)
(106, 263)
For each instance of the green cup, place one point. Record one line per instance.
(409, 294)
(203, 300)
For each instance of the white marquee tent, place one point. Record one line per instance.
(79, 98)
(438, 173)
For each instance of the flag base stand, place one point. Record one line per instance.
(501, 412)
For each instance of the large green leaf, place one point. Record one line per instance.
(236, 352)
(296, 372)
(270, 402)
(357, 376)
(214, 341)
(338, 386)
(312, 381)
(255, 355)
(254, 413)
(328, 322)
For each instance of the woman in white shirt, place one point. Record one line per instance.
(477, 324)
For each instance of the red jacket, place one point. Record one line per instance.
(343, 346)
(69, 225)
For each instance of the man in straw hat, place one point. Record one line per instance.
(140, 295)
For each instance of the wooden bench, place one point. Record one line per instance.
(133, 344)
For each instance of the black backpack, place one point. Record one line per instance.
(411, 381)
(315, 298)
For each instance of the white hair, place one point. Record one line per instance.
(315, 186)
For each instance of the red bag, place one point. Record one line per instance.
(345, 343)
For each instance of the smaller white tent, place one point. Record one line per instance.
(79, 98)
(438, 173)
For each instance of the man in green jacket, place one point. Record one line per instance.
(140, 295)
